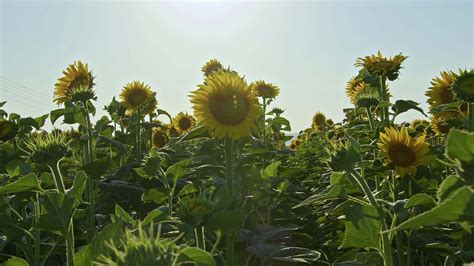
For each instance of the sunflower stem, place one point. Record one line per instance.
(470, 121)
(58, 179)
(264, 124)
(139, 135)
(383, 89)
(371, 119)
(37, 231)
(90, 182)
(228, 165)
(386, 247)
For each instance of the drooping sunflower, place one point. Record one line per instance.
(76, 75)
(353, 87)
(419, 124)
(135, 95)
(226, 105)
(379, 65)
(264, 89)
(368, 97)
(463, 87)
(159, 137)
(47, 148)
(211, 67)
(405, 153)
(183, 122)
(319, 120)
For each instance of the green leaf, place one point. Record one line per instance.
(421, 199)
(401, 106)
(336, 191)
(460, 146)
(72, 114)
(270, 171)
(154, 216)
(40, 120)
(27, 183)
(15, 261)
(98, 167)
(458, 207)
(123, 215)
(449, 185)
(195, 133)
(195, 255)
(362, 227)
(56, 214)
(188, 189)
(153, 195)
(17, 167)
(78, 187)
(99, 245)
(178, 170)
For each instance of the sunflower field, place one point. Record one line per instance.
(230, 185)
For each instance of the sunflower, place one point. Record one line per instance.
(47, 148)
(263, 89)
(135, 95)
(368, 97)
(226, 105)
(463, 87)
(440, 126)
(8, 129)
(403, 151)
(183, 122)
(159, 137)
(211, 66)
(353, 87)
(295, 143)
(76, 75)
(441, 92)
(319, 120)
(419, 124)
(379, 65)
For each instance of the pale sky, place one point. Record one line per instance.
(307, 48)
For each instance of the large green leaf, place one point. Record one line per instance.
(449, 185)
(459, 207)
(460, 146)
(17, 167)
(402, 106)
(15, 261)
(228, 221)
(363, 227)
(178, 170)
(195, 255)
(56, 213)
(27, 183)
(88, 254)
(420, 199)
(270, 171)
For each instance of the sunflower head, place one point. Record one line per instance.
(183, 122)
(319, 120)
(135, 95)
(263, 89)
(382, 66)
(83, 94)
(8, 129)
(405, 153)
(159, 137)
(211, 67)
(295, 144)
(47, 148)
(441, 126)
(353, 87)
(226, 105)
(368, 97)
(76, 75)
(463, 87)
(440, 92)
(419, 124)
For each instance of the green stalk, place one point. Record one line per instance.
(139, 136)
(470, 121)
(264, 114)
(37, 231)
(384, 94)
(371, 119)
(151, 132)
(70, 230)
(90, 182)
(228, 165)
(386, 247)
